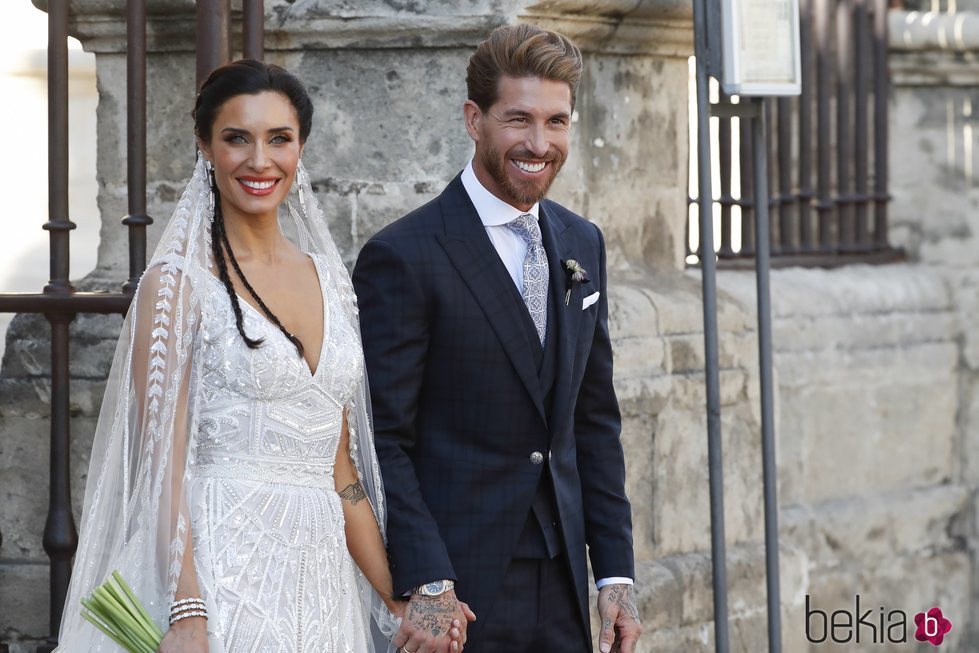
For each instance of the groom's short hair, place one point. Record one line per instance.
(521, 51)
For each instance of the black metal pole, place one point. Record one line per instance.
(786, 199)
(708, 271)
(844, 117)
(58, 224)
(60, 536)
(724, 151)
(762, 267)
(861, 200)
(806, 193)
(746, 194)
(137, 220)
(253, 29)
(881, 90)
(825, 207)
(213, 38)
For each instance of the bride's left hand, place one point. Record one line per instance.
(457, 633)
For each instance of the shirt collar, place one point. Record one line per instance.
(491, 209)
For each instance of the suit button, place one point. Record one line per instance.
(537, 458)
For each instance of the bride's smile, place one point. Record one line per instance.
(255, 150)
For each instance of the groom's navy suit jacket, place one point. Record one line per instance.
(459, 410)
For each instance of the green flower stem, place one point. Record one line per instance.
(108, 626)
(154, 629)
(139, 620)
(114, 609)
(91, 618)
(116, 616)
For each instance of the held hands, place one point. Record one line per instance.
(185, 636)
(620, 619)
(434, 624)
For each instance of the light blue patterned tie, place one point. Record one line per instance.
(535, 275)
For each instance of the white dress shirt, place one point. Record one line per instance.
(495, 214)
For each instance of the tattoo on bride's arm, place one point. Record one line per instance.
(432, 614)
(354, 493)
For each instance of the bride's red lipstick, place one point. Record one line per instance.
(248, 185)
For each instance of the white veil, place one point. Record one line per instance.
(135, 517)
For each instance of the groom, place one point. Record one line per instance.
(484, 319)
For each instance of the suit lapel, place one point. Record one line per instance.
(478, 263)
(559, 244)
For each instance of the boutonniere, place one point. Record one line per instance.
(573, 273)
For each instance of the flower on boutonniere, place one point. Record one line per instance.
(573, 273)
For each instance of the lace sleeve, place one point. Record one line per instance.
(135, 517)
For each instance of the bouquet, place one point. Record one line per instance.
(114, 609)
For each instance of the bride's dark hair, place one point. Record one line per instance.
(245, 77)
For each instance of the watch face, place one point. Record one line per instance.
(435, 588)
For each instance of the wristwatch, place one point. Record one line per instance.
(436, 588)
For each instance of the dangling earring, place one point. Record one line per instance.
(300, 182)
(210, 180)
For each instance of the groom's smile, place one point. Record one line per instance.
(522, 139)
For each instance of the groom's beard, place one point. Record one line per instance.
(520, 192)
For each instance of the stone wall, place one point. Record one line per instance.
(875, 367)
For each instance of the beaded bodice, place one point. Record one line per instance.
(264, 415)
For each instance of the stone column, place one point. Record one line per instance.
(936, 195)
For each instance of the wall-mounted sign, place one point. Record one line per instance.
(760, 40)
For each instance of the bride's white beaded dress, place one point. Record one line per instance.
(202, 436)
(268, 525)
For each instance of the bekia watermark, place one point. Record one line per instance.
(874, 626)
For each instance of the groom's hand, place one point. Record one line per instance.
(620, 619)
(429, 622)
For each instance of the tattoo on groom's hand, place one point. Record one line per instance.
(433, 624)
(620, 619)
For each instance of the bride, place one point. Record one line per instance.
(233, 480)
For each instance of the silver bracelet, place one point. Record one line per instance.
(185, 608)
(197, 613)
(176, 604)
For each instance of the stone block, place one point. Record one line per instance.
(895, 430)
(23, 604)
(863, 530)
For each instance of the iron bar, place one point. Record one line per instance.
(860, 141)
(213, 38)
(253, 29)
(58, 224)
(806, 194)
(786, 199)
(60, 536)
(137, 220)
(824, 203)
(769, 475)
(711, 370)
(726, 201)
(746, 190)
(881, 89)
(771, 162)
(77, 302)
(844, 148)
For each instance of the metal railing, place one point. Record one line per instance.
(828, 156)
(59, 302)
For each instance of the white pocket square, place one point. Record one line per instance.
(589, 300)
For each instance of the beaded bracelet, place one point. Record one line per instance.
(192, 607)
(197, 613)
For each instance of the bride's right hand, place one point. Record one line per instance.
(186, 636)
